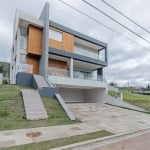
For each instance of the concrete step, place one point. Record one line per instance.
(30, 114)
(35, 111)
(37, 118)
(40, 81)
(34, 108)
(35, 104)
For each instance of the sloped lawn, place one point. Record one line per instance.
(12, 115)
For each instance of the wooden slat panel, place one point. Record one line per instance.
(67, 43)
(34, 61)
(34, 40)
(57, 64)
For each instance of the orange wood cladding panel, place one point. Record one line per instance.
(34, 61)
(34, 40)
(67, 43)
(57, 64)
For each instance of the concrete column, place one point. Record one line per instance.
(1, 78)
(100, 73)
(71, 68)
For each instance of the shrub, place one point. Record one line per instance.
(5, 81)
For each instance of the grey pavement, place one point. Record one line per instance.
(114, 119)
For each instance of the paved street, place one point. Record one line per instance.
(140, 142)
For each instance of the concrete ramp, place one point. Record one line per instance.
(34, 108)
(113, 101)
(64, 106)
(40, 81)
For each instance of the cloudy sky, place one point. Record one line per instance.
(129, 63)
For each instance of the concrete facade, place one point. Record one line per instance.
(22, 20)
(44, 58)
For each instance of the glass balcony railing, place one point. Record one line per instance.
(58, 72)
(89, 52)
(87, 76)
(25, 68)
(76, 74)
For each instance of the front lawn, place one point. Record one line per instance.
(137, 99)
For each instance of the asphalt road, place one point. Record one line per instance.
(141, 142)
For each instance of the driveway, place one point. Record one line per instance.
(114, 119)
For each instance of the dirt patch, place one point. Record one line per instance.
(76, 128)
(33, 134)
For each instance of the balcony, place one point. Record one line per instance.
(25, 68)
(58, 72)
(76, 74)
(89, 49)
(81, 80)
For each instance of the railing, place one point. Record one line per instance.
(87, 76)
(25, 68)
(89, 52)
(58, 72)
(76, 74)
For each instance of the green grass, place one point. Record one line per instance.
(112, 93)
(137, 99)
(12, 115)
(60, 142)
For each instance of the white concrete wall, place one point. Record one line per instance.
(72, 95)
(83, 95)
(95, 95)
(1, 78)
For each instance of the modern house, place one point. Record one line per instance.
(59, 62)
(69, 60)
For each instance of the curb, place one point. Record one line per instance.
(104, 140)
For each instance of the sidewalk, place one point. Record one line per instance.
(19, 137)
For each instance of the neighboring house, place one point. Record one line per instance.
(70, 60)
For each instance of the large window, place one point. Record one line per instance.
(22, 59)
(55, 35)
(23, 42)
(85, 51)
(102, 55)
(23, 38)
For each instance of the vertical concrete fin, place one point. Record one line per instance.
(44, 58)
(64, 106)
